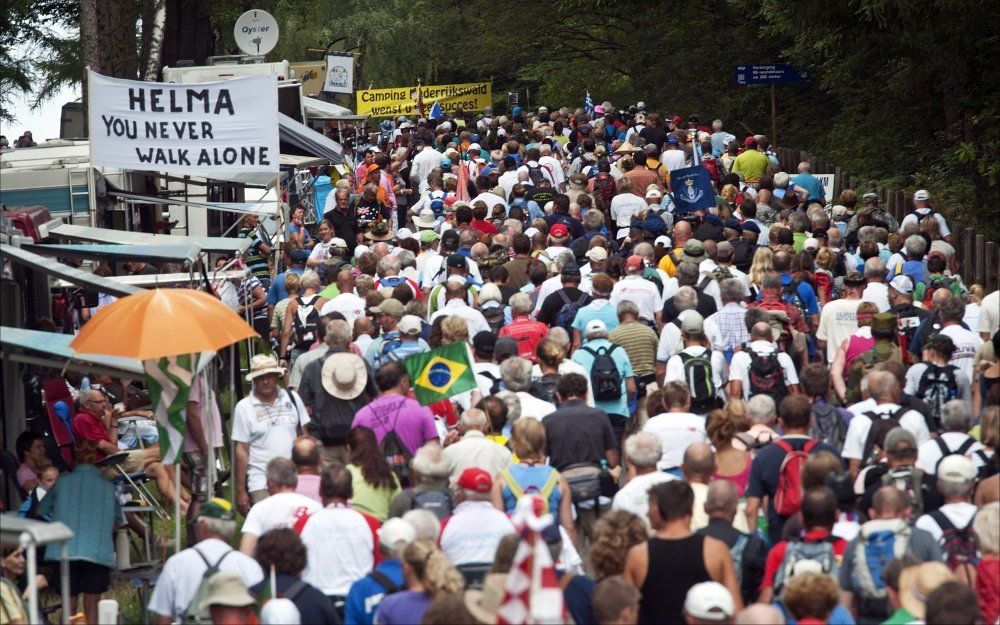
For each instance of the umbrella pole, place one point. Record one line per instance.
(233, 349)
(177, 508)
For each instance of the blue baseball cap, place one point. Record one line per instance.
(671, 139)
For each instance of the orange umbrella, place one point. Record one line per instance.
(161, 322)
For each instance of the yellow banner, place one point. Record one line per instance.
(471, 96)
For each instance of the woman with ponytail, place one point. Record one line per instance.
(428, 575)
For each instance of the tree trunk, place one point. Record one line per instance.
(91, 55)
(154, 21)
(188, 32)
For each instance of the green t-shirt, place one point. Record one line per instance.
(899, 617)
(374, 501)
(331, 291)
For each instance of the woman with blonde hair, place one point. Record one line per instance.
(428, 575)
(531, 474)
(454, 330)
(763, 264)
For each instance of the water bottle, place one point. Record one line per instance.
(85, 384)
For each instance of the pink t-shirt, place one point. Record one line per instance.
(413, 423)
(858, 344)
(309, 486)
(25, 473)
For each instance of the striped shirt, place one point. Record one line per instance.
(639, 341)
(246, 295)
(256, 262)
(732, 323)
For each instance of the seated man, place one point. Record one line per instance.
(95, 428)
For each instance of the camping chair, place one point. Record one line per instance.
(136, 480)
(59, 408)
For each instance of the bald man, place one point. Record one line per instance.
(889, 513)
(759, 614)
(698, 468)
(306, 457)
(721, 505)
(682, 234)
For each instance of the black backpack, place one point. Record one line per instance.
(494, 317)
(535, 174)
(937, 387)
(544, 388)
(566, 314)
(827, 425)
(437, 502)
(397, 455)
(698, 377)
(304, 322)
(881, 424)
(496, 382)
(962, 450)
(605, 378)
(767, 376)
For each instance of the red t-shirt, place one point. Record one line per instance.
(777, 554)
(528, 334)
(89, 431)
(484, 227)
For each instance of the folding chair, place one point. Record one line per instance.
(59, 408)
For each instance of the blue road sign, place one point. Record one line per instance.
(773, 74)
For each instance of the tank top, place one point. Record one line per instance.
(666, 585)
(739, 480)
(856, 346)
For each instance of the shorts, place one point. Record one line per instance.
(131, 465)
(85, 577)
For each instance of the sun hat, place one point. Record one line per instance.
(395, 531)
(484, 604)
(338, 243)
(595, 325)
(693, 323)
(344, 375)
(956, 469)
(903, 284)
(263, 364)
(916, 583)
(709, 601)
(404, 233)
(597, 254)
(227, 589)
(921, 195)
(693, 252)
(428, 236)
(216, 508)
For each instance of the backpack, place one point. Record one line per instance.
(387, 584)
(800, 551)
(872, 552)
(881, 424)
(194, 613)
(544, 388)
(304, 322)
(963, 449)
(437, 202)
(604, 186)
(828, 425)
(790, 294)
(544, 493)
(535, 173)
(933, 284)
(864, 364)
(960, 546)
(438, 502)
(788, 496)
(721, 273)
(390, 343)
(910, 480)
(937, 387)
(497, 382)
(605, 378)
(767, 376)
(566, 314)
(736, 553)
(397, 455)
(698, 376)
(494, 317)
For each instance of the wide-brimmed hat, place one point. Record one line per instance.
(263, 364)
(917, 582)
(227, 589)
(693, 252)
(379, 237)
(344, 375)
(483, 604)
(425, 219)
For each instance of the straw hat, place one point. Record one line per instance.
(227, 589)
(483, 604)
(627, 148)
(344, 375)
(263, 364)
(917, 582)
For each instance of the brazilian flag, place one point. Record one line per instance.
(440, 373)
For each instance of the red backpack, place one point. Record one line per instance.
(604, 185)
(788, 497)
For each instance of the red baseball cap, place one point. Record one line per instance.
(559, 231)
(475, 479)
(678, 120)
(634, 262)
(749, 140)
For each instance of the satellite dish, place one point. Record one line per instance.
(256, 32)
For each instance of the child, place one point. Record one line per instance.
(46, 480)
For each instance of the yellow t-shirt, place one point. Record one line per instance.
(374, 501)
(752, 164)
(11, 605)
(667, 265)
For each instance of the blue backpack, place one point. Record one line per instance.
(872, 552)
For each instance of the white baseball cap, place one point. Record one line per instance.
(921, 195)
(404, 233)
(361, 249)
(709, 601)
(955, 468)
(810, 244)
(396, 531)
(663, 240)
(530, 232)
(597, 254)
(903, 284)
(410, 325)
(595, 325)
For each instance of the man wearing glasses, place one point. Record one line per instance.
(95, 428)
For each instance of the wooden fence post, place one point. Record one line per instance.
(967, 250)
(992, 269)
(981, 258)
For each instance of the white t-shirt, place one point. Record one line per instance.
(471, 534)
(341, 544)
(277, 511)
(670, 336)
(929, 454)
(673, 159)
(269, 430)
(916, 371)
(490, 199)
(624, 206)
(739, 367)
(321, 251)
(878, 294)
(182, 572)
(989, 314)
(966, 344)
(533, 407)
(457, 308)
(675, 368)
(861, 424)
(676, 431)
(641, 292)
(919, 214)
(634, 496)
(960, 514)
(347, 304)
(555, 167)
(837, 321)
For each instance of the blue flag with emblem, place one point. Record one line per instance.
(691, 188)
(440, 373)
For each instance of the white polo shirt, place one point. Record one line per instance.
(342, 544)
(676, 431)
(739, 366)
(471, 534)
(861, 424)
(269, 430)
(278, 510)
(182, 572)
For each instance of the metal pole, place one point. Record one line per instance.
(232, 399)
(177, 509)
(206, 408)
(28, 545)
(774, 115)
(64, 581)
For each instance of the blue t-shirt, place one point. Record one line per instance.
(402, 608)
(599, 309)
(915, 269)
(806, 294)
(811, 184)
(366, 594)
(586, 360)
(277, 292)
